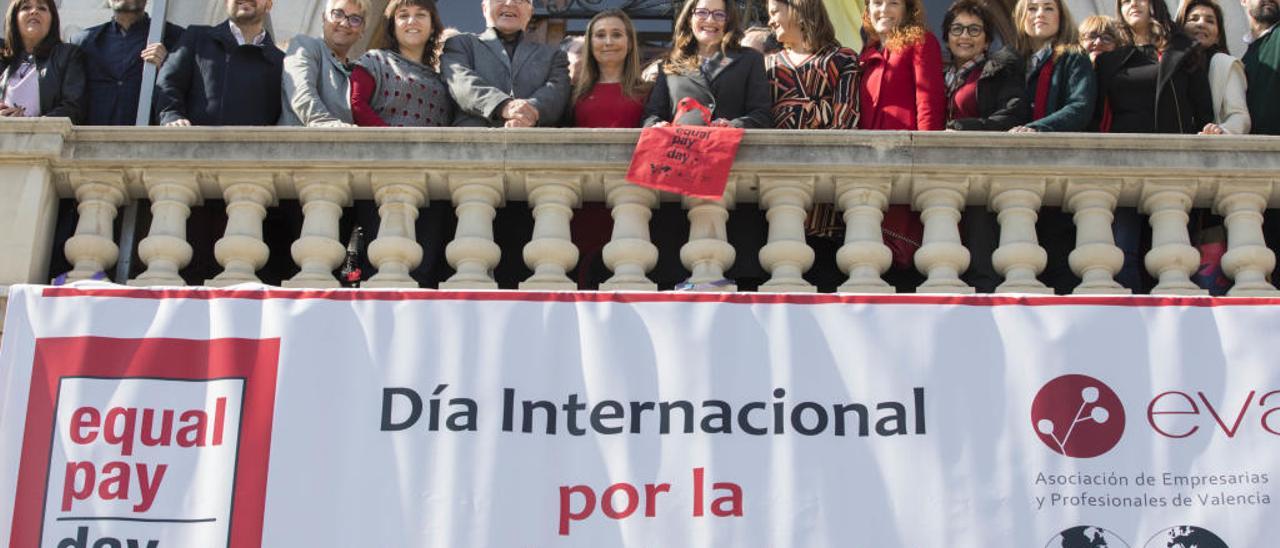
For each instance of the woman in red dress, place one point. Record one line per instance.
(609, 91)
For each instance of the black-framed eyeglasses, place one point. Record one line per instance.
(974, 30)
(337, 16)
(704, 13)
(1103, 37)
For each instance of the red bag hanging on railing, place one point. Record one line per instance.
(693, 160)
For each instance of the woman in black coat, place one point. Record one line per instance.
(1160, 83)
(985, 91)
(706, 63)
(41, 75)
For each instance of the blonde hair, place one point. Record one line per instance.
(1066, 41)
(683, 57)
(1099, 24)
(632, 85)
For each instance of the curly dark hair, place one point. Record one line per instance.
(387, 38)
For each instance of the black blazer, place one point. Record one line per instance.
(1180, 100)
(212, 81)
(1002, 96)
(61, 81)
(110, 98)
(737, 91)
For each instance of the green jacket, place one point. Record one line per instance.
(1261, 64)
(1072, 93)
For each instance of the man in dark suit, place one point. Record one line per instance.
(500, 77)
(225, 75)
(114, 52)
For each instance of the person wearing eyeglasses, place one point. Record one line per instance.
(1202, 20)
(708, 63)
(985, 90)
(1100, 34)
(502, 77)
(114, 53)
(317, 71)
(225, 75)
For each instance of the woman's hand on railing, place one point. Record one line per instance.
(1213, 129)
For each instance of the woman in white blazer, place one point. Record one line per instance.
(1202, 20)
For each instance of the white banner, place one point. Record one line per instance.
(265, 417)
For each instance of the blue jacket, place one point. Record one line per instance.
(1072, 94)
(212, 81)
(111, 95)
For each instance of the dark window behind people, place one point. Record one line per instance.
(814, 81)
(225, 75)
(114, 53)
(1159, 83)
(707, 63)
(608, 91)
(396, 83)
(501, 77)
(41, 75)
(985, 91)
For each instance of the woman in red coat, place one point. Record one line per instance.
(902, 85)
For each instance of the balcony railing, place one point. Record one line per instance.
(478, 172)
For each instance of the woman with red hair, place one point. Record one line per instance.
(902, 86)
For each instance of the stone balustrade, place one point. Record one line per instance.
(554, 171)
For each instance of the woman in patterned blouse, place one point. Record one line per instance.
(813, 80)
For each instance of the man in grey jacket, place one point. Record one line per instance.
(317, 73)
(501, 77)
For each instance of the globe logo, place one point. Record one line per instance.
(1185, 536)
(1086, 536)
(1078, 416)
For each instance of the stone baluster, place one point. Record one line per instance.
(396, 251)
(473, 254)
(551, 252)
(1248, 259)
(92, 248)
(1020, 258)
(629, 254)
(1096, 258)
(941, 258)
(165, 250)
(318, 251)
(864, 257)
(708, 253)
(241, 251)
(1172, 259)
(786, 256)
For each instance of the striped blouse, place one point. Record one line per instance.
(821, 93)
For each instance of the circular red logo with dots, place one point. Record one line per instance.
(1078, 416)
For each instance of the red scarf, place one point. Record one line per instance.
(1041, 107)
